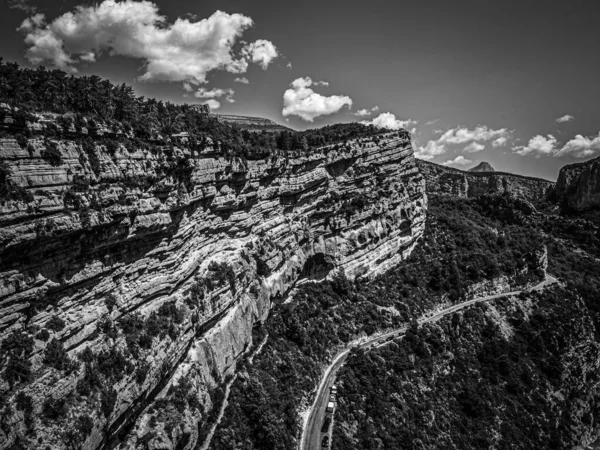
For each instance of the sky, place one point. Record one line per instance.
(514, 83)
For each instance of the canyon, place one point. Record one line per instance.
(202, 243)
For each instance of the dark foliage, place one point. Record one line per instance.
(92, 99)
(56, 356)
(55, 323)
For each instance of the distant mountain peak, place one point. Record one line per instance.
(483, 166)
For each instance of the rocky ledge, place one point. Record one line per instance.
(578, 185)
(130, 282)
(449, 181)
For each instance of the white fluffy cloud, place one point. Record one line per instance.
(581, 146)
(430, 151)
(478, 134)
(565, 118)
(389, 121)
(502, 140)
(214, 104)
(213, 93)
(242, 80)
(473, 147)
(458, 161)
(366, 112)
(305, 103)
(475, 140)
(261, 52)
(538, 145)
(184, 50)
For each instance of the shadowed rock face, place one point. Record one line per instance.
(449, 181)
(578, 185)
(216, 238)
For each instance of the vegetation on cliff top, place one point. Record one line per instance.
(90, 102)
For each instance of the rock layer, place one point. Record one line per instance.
(109, 237)
(578, 185)
(449, 181)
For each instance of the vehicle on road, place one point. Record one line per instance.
(332, 398)
(326, 423)
(330, 407)
(325, 442)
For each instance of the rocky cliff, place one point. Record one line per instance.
(578, 185)
(130, 282)
(450, 181)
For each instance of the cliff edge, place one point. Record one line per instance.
(131, 279)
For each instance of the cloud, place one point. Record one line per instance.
(458, 161)
(261, 52)
(23, 5)
(215, 93)
(389, 121)
(473, 147)
(242, 80)
(305, 103)
(214, 104)
(431, 150)
(289, 65)
(431, 122)
(499, 142)
(366, 112)
(478, 134)
(565, 118)
(538, 145)
(474, 138)
(185, 50)
(581, 146)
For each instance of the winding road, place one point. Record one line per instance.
(311, 432)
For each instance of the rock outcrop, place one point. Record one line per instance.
(152, 268)
(482, 167)
(578, 185)
(449, 181)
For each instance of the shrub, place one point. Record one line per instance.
(24, 402)
(54, 408)
(21, 140)
(56, 324)
(51, 153)
(56, 356)
(108, 399)
(110, 301)
(43, 335)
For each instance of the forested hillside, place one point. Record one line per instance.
(462, 246)
(516, 373)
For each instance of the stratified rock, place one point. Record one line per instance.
(578, 185)
(107, 237)
(449, 181)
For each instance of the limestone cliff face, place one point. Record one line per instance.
(578, 185)
(450, 181)
(166, 262)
